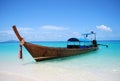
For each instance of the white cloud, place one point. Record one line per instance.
(50, 27)
(9, 34)
(76, 34)
(6, 35)
(37, 34)
(71, 34)
(25, 29)
(104, 28)
(6, 32)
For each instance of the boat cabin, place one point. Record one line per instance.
(76, 43)
(84, 42)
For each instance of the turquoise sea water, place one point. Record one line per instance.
(105, 62)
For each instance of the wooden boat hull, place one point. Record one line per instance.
(42, 52)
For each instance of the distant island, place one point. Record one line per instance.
(15, 41)
(10, 41)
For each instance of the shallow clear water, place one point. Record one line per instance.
(104, 62)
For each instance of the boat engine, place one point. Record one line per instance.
(94, 42)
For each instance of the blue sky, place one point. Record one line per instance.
(52, 20)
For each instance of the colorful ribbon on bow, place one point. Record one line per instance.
(20, 54)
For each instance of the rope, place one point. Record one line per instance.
(22, 41)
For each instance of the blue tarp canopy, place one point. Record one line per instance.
(73, 40)
(84, 40)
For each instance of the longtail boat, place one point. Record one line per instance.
(39, 52)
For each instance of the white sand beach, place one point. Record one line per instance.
(48, 74)
(40, 72)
